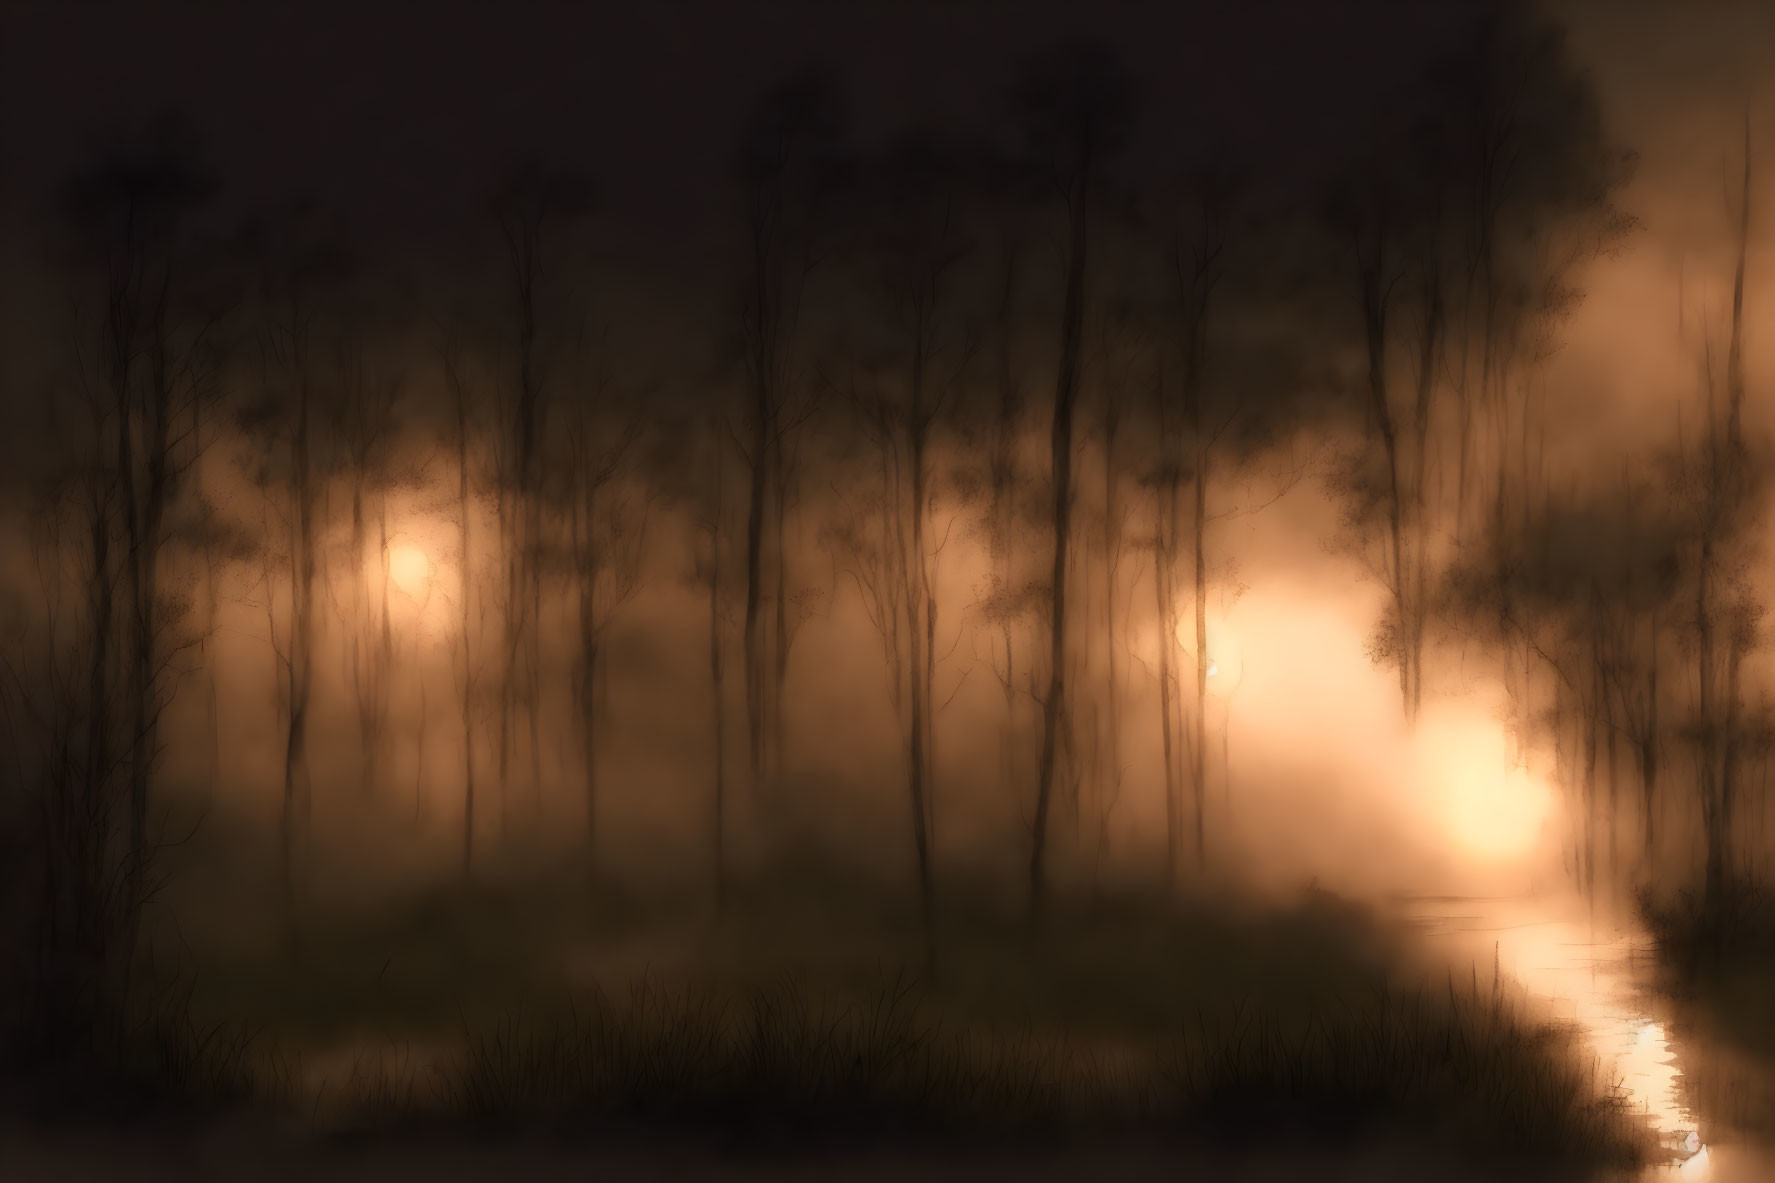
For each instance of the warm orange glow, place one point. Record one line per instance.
(1226, 657)
(1491, 809)
(410, 570)
(1495, 815)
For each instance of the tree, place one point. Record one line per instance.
(709, 572)
(1196, 267)
(609, 536)
(784, 167)
(303, 260)
(364, 423)
(129, 211)
(918, 208)
(465, 511)
(1076, 104)
(528, 209)
(1007, 598)
(1465, 222)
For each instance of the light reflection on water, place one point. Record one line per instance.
(1591, 975)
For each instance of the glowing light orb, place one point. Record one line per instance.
(1491, 809)
(409, 569)
(1226, 659)
(1495, 814)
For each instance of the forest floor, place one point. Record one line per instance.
(540, 1021)
(233, 1155)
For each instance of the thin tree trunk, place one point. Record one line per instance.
(754, 640)
(1592, 722)
(780, 670)
(1003, 471)
(302, 571)
(1054, 714)
(1614, 876)
(419, 756)
(1167, 615)
(212, 705)
(762, 330)
(533, 644)
(1111, 786)
(588, 708)
(717, 681)
(1200, 749)
(1374, 322)
(1648, 756)
(919, 634)
(144, 571)
(464, 509)
(585, 544)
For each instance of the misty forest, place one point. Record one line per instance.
(1191, 598)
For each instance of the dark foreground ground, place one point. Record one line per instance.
(234, 1155)
(533, 1027)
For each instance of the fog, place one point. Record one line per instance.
(683, 474)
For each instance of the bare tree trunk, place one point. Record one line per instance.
(1003, 474)
(1719, 844)
(465, 510)
(91, 832)
(1705, 712)
(588, 722)
(1167, 615)
(522, 230)
(780, 637)
(363, 680)
(762, 329)
(930, 711)
(1110, 789)
(383, 655)
(920, 635)
(717, 682)
(1200, 749)
(762, 442)
(507, 548)
(1729, 487)
(585, 544)
(533, 661)
(419, 755)
(1196, 280)
(1054, 714)
(1415, 492)
(1592, 721)
(143, 534)
(211, 607)
(1374, 292)
(1614, 876)
(1648, 761)
(1735, 351)
(301, 612)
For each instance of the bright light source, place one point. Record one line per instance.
(1497, 816)
(1492, 810)
(409, 568)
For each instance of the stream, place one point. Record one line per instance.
(1596, 975)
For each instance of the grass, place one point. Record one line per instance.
(779, 1069)
(151, 1061)
(788, 1026)
(537, 1006)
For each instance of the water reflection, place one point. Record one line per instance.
(1589, 973)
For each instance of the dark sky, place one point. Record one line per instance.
(401, 114)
